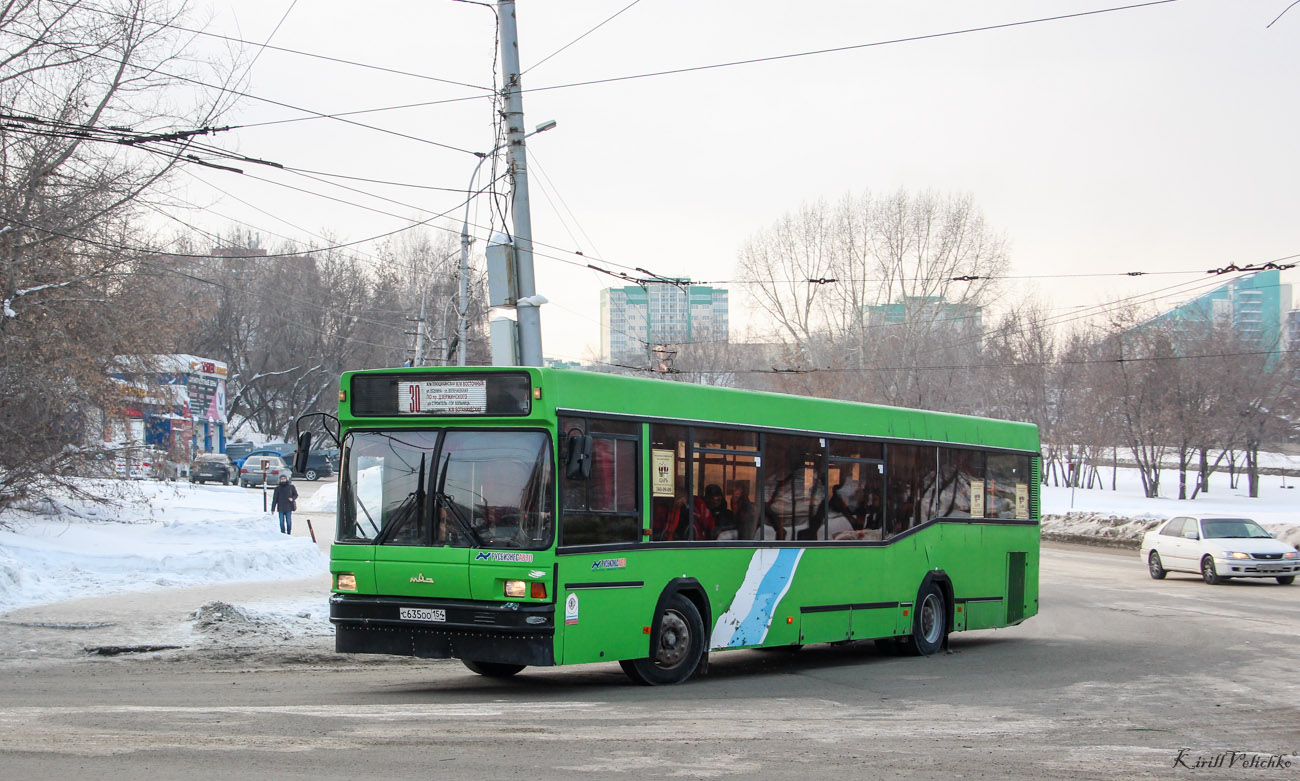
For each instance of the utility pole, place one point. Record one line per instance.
(419, 332)
(529, 316)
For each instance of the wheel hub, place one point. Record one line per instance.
(674, 640)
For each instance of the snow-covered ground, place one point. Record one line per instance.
(155, 535)
(1125, 514)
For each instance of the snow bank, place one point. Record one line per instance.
(1124, 515)
(153, 535)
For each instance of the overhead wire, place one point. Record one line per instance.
(580, 37)
(733, 63)
(226, 89)
(282, 49)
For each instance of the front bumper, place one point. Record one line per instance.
(502, 632)
(1257, 568)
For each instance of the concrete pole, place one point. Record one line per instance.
(419, 331)
(462, 328)
(530, 318)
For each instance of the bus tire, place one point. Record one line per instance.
(493, 669)
(929, 622)
(679, 649)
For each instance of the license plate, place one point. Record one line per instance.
(421, 614)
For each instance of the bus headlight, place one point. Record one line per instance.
(346, 581)
(516, 588)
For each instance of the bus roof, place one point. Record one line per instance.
(580, 391)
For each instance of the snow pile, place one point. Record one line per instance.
(323, 501)
(153, 535)
(1098, 526)
(225, 624)
(1122, 516)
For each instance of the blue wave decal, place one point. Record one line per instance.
(746, 622)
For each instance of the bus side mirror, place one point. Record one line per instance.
(300, 455)
(577, 465)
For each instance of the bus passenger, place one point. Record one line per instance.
(841, 520)
(724, 520)
(743, 509)
(702, 525)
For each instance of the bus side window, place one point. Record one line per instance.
(957, 468)
(1005, 471)
(794, 497)
(603, 508)
(911, 499)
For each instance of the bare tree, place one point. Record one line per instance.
(98, 108)
(888, 290)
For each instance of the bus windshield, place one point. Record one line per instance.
(477, 488)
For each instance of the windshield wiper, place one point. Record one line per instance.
(404, 513)
(455, 512)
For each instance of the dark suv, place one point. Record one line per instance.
(213, 466)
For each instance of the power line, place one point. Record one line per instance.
(284, 50)
(223, 89)
(580, 37)
(837, 49)
(729, 64)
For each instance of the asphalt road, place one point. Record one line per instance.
(1118, 677)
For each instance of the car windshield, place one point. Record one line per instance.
(490, 489)
(1219, 528)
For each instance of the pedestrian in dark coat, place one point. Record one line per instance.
(284, 502)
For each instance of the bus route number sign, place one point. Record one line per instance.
(442, 397)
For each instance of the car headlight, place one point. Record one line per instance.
(1291, 555)
(1236, 555)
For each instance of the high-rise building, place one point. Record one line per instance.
(637, 318)
(1255, 305)
(940, 314)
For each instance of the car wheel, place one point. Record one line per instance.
(1154, 566)
(679, 650)
(225, 481)
(311, 475)
(1209, 573)
(493, 669)
(929, 623)
(1285, 580)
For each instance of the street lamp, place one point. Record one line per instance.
(463, 325)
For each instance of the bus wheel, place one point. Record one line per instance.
(929, 623)
(493, 669)
(680, 648)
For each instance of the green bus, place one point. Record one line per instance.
(515, 516)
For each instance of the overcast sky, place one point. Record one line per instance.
(1156, 139)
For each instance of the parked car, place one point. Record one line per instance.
(263, 468)
(1219, 548)
(145, 463)
(282, 449)
(318, 463)
(216, 467)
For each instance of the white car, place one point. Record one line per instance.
(1219, 548)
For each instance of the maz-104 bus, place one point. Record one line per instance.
(516, 516)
